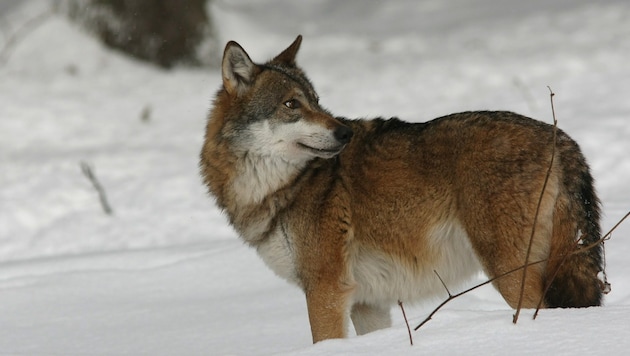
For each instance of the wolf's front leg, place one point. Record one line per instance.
(367, 318)
(328, 306)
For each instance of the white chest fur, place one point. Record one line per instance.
(276, 251)
(261, 175)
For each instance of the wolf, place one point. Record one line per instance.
(361, 214)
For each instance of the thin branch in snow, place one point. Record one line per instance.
(400, 303)
(21, 33)
(450, 295)
(542, 193)
(580, 250)
(89, 173)
(453, 296)
(606, 237)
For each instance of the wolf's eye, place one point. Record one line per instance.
(293, 104)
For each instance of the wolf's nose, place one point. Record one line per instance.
(343, 134)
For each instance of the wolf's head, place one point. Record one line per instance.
(272, 109)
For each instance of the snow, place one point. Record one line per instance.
(166, 275)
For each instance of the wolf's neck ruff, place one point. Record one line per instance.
(261, 176)
(261, 189)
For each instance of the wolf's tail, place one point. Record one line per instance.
(574, 263)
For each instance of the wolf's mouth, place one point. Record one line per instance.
(322, 152)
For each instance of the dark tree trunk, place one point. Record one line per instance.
(163, 32)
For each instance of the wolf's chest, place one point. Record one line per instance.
(277, 253)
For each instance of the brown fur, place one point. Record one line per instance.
(362, 220)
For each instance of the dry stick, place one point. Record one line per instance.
(542, 192)
(453, 296)
(87, 171)
(564, 258)
(400, 303)
(603, 238)
(553, 276)
(443, 284)
(29, 26)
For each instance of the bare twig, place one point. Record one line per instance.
(453, 296)
(605, 237)
(400, 303)
(582, 249)
(552, 277)
(443, 284)
(87, 171)
(540, 199)
(21, 32)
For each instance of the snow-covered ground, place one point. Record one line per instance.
(166, 275)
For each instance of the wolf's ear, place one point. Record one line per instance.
(288, 55)
(238, 69)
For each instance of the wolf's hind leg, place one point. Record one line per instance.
(367, 318)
